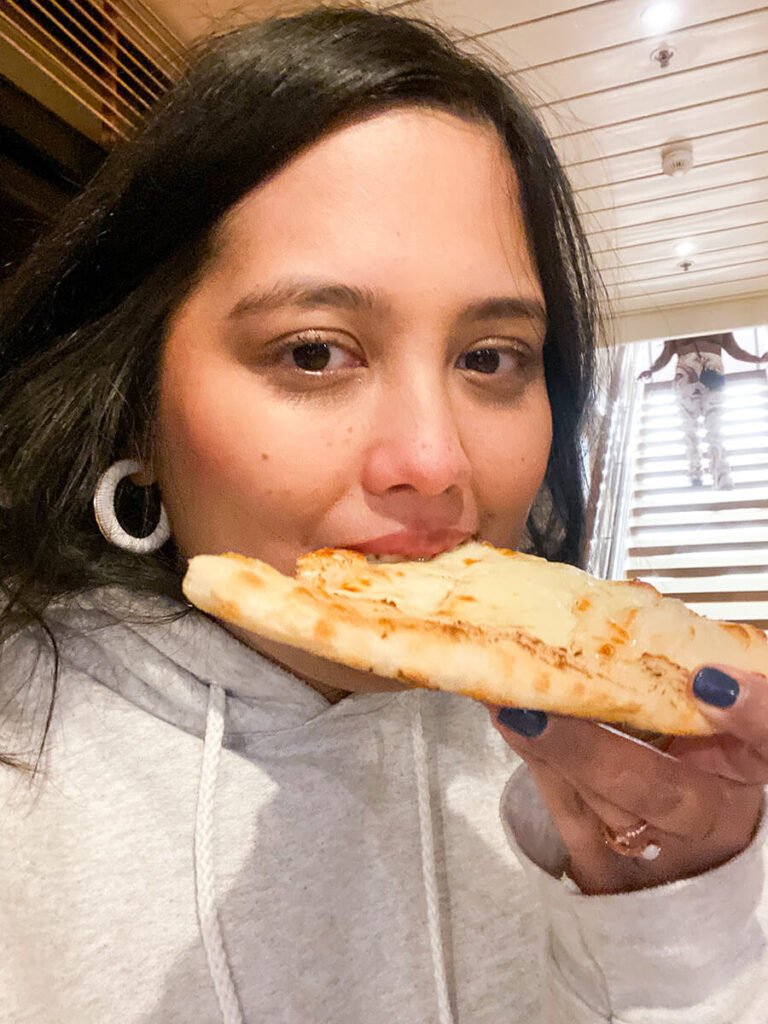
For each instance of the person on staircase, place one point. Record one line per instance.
(698, 387)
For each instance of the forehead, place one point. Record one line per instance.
(369, 197)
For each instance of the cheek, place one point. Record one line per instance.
(510, 452)
(225, 443)
(214, 439)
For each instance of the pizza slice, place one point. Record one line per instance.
(493, 624)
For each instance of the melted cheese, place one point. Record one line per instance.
(483, 586)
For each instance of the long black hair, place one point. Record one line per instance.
(84, 317)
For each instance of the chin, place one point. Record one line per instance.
(319, 673)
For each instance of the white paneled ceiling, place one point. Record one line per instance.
(610, 107)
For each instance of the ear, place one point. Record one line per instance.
(145, 455)
(146, 474)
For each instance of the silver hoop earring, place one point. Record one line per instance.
(106, 517)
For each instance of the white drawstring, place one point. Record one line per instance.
(218, 965)
(445, 1015)
(210, 929)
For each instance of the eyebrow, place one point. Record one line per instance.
(306, 295)
(303, 294)
(505, 308)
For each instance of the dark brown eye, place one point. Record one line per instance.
(312, 356)
(482, 360)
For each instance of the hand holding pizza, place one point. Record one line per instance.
(632, 816)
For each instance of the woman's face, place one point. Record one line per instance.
(361, 364)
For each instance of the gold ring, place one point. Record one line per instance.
(626, 843)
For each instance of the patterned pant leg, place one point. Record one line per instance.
(690, 405)
(712, 407)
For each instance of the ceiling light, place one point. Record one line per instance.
(660, 16)
(685, 248)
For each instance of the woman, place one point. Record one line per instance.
(698, 383)
(333, 294)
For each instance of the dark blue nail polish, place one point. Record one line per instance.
(528, 723)
(715, 687)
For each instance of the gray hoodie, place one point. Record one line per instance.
(210, 841)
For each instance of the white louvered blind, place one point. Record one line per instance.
(708, 547)
(112, 58)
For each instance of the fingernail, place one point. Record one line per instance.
(528, 723)
(715, 687)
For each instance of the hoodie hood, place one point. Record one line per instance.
(164, 657)
(180, 666)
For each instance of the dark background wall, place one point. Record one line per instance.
(43, 163)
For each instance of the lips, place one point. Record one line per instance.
(413, 544)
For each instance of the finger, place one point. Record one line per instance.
(564, 801)
(735, 702)
(593, 865)
(616, 818)
(659, 850)
(723, 755)
(645, 782)
(578, 825)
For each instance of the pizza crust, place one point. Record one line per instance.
(493, 624)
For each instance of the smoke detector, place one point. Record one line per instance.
(677, 159)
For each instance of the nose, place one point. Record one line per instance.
(416, 443)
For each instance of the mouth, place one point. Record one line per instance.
(411, 544)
